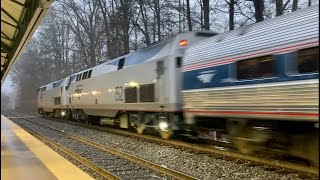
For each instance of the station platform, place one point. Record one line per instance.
(25, 157)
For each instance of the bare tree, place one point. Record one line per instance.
(144, 30)
(125, 11)
(28, 74)
(110, 30)
(56, 37)
(84, 21)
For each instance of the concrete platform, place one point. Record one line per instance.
(25, 157)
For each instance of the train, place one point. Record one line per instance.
(258, 84)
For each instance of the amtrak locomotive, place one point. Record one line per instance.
(258, 84)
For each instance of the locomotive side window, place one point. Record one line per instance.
(260, 67)
(69, 82)
(85, 74)
(57, 84)
(43, 89)
(121, 63)
(80, 75)
(308, 60)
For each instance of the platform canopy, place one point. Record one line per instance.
(19, 20)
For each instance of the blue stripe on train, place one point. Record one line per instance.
(225, 75)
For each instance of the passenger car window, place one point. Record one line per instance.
(308, 60)
(260, 67)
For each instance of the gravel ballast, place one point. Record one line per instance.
(194, 164)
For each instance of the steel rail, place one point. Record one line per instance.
(95, 168)
(210, 150)
(148, 164)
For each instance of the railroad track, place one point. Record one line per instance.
(208, 149)
(130, 161)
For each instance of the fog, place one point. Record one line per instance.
(8, 94)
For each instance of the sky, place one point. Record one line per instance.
(8, 88)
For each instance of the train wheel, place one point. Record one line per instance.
(165, 129)
(136, 122)
(244, 146)
(56, 113)
(236, 126)
(306, 146)
(166, 134)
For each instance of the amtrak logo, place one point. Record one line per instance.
(206, 76)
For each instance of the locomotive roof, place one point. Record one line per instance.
(289, 28)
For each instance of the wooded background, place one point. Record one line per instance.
(79, 34)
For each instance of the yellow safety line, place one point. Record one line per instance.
(59, 166)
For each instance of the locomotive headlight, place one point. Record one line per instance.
(183, 42)
(163, 126)
(133, 84)
(94, 93)
(63, 113)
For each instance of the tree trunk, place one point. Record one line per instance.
(206, 14)
(231, 14)
(179, 16)
(294, 5)
(125, 8)
(259, 9)
(279, 6)
(158, 20)
(188, 16)
(154, 26)
(201, 14)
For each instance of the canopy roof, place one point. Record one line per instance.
(19, 20)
